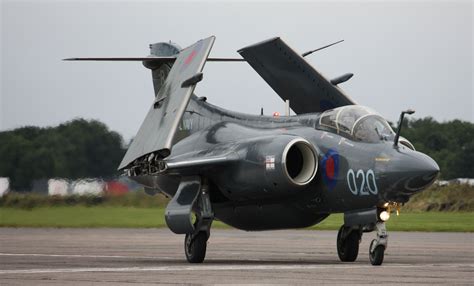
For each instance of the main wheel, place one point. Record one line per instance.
(376, 256)
(348, 248)
(195, 247)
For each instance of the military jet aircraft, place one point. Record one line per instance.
(256, 172)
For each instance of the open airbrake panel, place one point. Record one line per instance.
(157, 131)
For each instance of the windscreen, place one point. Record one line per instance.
(357, 122)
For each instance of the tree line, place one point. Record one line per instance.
(450, 144)
(76, 149)
(88, 149)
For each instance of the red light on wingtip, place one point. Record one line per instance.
(276, 114)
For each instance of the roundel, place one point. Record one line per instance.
(330, 168)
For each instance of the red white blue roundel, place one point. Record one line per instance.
(330, 168)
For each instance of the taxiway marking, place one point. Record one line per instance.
(84, 255)
(222, 268)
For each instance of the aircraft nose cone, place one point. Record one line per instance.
(421, 172)
(410, 172)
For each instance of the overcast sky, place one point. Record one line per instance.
(403, 54)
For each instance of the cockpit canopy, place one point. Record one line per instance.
(356, 122)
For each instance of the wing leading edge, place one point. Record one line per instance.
(293, 78)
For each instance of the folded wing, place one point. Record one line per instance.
(293, 78)
(157, 131)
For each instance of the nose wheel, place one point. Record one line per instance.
(376, 255)
(378, 245)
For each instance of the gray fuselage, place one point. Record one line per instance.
(351, 175)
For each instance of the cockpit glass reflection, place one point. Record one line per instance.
(357, 122)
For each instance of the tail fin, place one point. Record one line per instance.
(160, 70)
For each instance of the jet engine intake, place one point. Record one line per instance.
(300, 161)
(268, 167)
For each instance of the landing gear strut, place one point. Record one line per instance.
(195, 243)
(378, 245)
(348, 240)
(358, 222)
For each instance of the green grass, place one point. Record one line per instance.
(137, 199)
(422, 221)
(104, 216)
(81, 216)
(452, 198)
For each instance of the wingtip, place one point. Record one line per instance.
(258, 44)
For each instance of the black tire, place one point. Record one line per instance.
(376, 257)
(195, 248)
(348, 248)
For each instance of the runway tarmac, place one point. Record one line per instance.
(147, 256)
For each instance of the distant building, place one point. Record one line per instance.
(457, 181)
(58, 187)
(4, 186)
(442, 183)
(463, 181)
(94, 187)
(116, 188)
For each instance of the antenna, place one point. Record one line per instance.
(318, 49)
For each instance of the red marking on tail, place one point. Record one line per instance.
(190, 57)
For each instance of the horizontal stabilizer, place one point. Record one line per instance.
(150, 59)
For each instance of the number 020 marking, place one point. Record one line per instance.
(362, 183)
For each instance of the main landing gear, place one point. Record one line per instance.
(195, 247)
(349, 238)
(195, 243)
(189, 212)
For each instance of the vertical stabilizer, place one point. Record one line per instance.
(161, 70)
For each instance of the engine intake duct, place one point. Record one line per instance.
(299, 160)
(269, 167)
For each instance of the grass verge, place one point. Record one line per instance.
(420, 221)
(132, 217)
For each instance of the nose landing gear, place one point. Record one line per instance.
(350, 235)
(378, 245)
